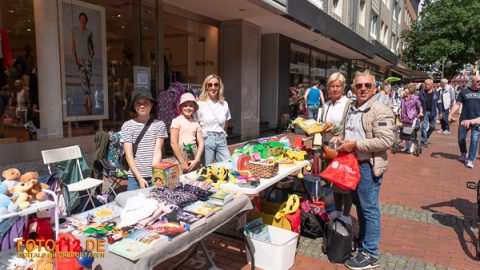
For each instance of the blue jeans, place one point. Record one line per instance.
(312, 110)
(133, 183)
(216, 149)
(428, 126)
(462, 141)
(365, 198)
(444, 121)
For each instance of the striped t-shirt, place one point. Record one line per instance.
(144, 157)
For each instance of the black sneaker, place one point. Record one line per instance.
(362, 261)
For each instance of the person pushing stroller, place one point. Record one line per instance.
(410, 110)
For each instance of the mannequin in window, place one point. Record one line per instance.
(4, 102)
(22, 101)
(25, 66)
(83, 52)
(5, 55)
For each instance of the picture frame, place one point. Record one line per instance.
(83, 51)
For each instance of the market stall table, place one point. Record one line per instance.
(168, 249)
(283, 171)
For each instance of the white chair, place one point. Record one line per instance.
(72, 153)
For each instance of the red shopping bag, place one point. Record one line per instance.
(343, 171)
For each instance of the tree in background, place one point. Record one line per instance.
(446, 29)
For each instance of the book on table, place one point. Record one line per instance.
(187, 219)
(221, 197)
(130, 248)
(203, 208)
(165, 228)
(146, 236)
(101, 214)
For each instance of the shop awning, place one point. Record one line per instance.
(410, 73)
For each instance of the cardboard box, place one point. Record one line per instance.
(165, 174)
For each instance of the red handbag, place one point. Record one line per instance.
(343, 171)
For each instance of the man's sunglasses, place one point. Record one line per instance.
(360, 85)
(212, 84)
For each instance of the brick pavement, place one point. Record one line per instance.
(428, 217)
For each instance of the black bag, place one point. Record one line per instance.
(312, 225)
(123, 158)
(337, 246)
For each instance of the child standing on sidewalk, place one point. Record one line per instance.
(143, 153)
(186, 135)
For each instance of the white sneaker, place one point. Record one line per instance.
(469, 164)
(462, 157)
(446, 132)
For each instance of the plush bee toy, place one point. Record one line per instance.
(215, 174)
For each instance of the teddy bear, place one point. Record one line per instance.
(21, 196)
(36, 192)
(12, 176)
(6, 203)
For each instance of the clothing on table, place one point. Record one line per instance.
(167, 103)
(144, 156)
(137, 208)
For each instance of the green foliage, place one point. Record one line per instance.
(446, 29)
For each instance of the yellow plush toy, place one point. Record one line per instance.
(20, 193)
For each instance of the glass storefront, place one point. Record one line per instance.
(190, 51)
(308, 64)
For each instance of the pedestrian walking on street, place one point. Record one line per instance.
(469, 98)
(410, 110)
(447, 98)
(368, 134)
(431, 109)
(213, 115)
(314, 100)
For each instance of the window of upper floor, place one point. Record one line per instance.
(373, 25)
(362, 13)
(395, 10)
(337, 7)
(393, 44)
(317, 3)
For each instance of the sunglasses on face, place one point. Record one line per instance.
(360, 85)
(210, 85)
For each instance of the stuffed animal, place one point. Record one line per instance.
(215, 174)
(22, 198)
(11, 175)
(6, 204)
(36, 192)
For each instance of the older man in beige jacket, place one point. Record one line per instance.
(368, 134)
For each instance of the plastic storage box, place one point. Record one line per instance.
(277, 255)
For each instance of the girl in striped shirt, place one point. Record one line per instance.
(149, 149)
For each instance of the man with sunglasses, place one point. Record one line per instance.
(368, 134)
(431, 110)
(470, 99)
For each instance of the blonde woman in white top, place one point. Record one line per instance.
(213, 115)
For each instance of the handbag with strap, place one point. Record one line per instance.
(123, 159)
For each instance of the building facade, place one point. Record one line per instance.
(260, 49)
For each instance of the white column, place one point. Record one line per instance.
(48, 67)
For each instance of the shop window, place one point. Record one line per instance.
(19, 106)
(299, 65)
(190, 50)
(318, 67)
